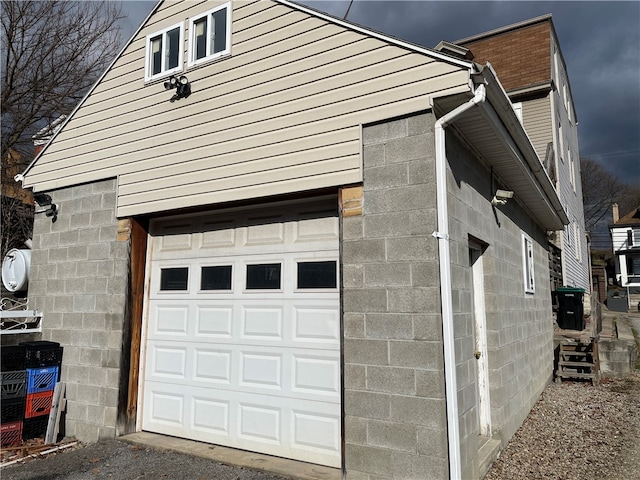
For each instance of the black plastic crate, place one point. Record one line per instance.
(13, 409)
(12, 358)
(42, 354)
(13, 384)
(34, 427)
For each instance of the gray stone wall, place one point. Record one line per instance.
(78, 280)
(395, 418)
(519, 325)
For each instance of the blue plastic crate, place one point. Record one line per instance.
(41, 379)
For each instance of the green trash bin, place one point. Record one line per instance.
(570, 308)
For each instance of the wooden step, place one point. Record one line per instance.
(564, 363)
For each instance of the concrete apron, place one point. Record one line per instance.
(238, 458)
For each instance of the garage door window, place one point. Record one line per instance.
(216, 278)
(317, 274)
(174, 278)
(264, 276)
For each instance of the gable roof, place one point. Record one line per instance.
(629, 220)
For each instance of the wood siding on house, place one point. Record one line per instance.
(536, 117)
(281, 114)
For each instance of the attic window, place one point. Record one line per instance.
(210, 35)
(164, 52)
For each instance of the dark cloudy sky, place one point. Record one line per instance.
(600, 42)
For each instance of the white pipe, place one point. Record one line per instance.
(442, 235)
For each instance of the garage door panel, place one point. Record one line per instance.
(214, 321)
(212, 366)
(261, 370)
(316, 323)
(261, 322)
(241, 352)
(172, 320)
(168, 361)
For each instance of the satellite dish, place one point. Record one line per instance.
(15, 270)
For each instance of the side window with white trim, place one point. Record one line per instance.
(210, 35)
(527, 264)
(164, 52)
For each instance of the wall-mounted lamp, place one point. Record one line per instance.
(501, 197)
(49, 208)
(181, 84)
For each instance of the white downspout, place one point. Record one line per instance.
(445, 282)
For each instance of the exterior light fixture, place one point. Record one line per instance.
(181, 84)
(501, 197)
(49, 208)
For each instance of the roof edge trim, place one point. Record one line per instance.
(506, 28)
(352, 26)
(21, 176)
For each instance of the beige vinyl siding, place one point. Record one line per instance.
(281, 114)
(536, 116)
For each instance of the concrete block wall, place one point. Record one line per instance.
(395, 418)
(78, 281)
(519, 325)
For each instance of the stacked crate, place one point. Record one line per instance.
(42, 361)
(13, 384)
(30, 372)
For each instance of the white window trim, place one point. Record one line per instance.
(148, 76)
(528, 264)
(192, 40)
(517, 107)
(578, 242)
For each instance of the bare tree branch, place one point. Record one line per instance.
(52, 53)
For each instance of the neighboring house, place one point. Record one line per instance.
(529, 62)
(306, 254)
(625, 236)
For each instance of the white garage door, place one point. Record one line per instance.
(243, 333)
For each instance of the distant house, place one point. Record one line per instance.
(529, 62)
(625, 235)
(281, 232)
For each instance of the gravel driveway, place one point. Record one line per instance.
(577, 432)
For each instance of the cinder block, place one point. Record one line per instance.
(419, 411)
(352, 228)
(353, 325)
(391, 380)
(408, 148)
(374, 155)
(385, 177)
(98, 251)
(420, 124)
(78, 252)
(419, 248)
(366, 404)
(430, 383)
(382, 132)
(394, 225)
(355, 377)
(416, 354)
(366, 352)
(97, 376)
(394, 436)
(432, 442)
(408, 466)
(88, 235)
(404, 199)
(84, 303)
(58, 254)
(352, 276)
(412, 300)
(389, 326)
(376, 461)
(425, 274)
(355, 430)
(363, 251)
(103, 217)
(365, 300)
(387, 274)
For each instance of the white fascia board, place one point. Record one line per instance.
(21, 176)
(380, 36)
